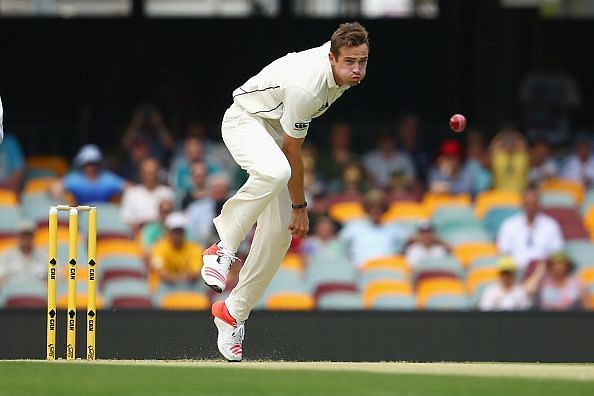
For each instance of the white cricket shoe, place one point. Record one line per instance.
(216, 264)
(231, 333)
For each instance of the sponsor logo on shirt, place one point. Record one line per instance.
(300, 126)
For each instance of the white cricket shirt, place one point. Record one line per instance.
(292, 89)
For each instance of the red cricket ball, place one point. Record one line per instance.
(458, 122)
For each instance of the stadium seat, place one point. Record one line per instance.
(557, 199)
(449, 217)
(484, 262)
(488, 200)
(588, 201)
(38, 173)
(116, 267)
(438, 266)
(570, 222)
(339, 301)
(8, 198)
(110, 224)
(117, 247)
(329, 270)
(25, 302)
(428, 288)
(461, 235)
(185, 301)
(405, 211)
(381, 274)
(375, 289)
(292, 261)
(447, 302)
(408, 227)
(58, 165)
(290, 302)
(31, 289)
(496, 216)
(435, 201)
(7, 242)
(346, 211)
(285, 281)
(9, 218)
(41, 185)
(41, 236)
(394, 302)
(396, 262)
(570, 187)
(81, 300)
(478, 279)
(468, 252)
(586, 276)
(127, 293)
(331, 288)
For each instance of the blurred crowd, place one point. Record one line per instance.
(169, 190)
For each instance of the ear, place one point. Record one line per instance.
(331, 57)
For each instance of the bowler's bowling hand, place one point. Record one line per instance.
(299, 225)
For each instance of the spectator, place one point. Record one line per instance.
(313, 185)
(530, 235)
(580, 165)
(542, 166)
(199, 188)
(509, 161)
(90, 182)
(12, 163)
(140, 203)
(549, 96)
(24, 261)
(180, 175)
(324, 236)
(333, 160)
(408, 135)
(177, 260)
(506, 294)
(560, 289)
(351, 183)
(147, 122)
(200, 213)
(151, 232)
(385, 161)
(138, 151)
(369, 238)
(448, 175)
(477, 162)
(425, 244)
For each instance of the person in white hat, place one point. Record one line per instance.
(90, 182)
(176, 259)
(24, 261)
(1, 119)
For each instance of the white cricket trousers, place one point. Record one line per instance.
(264, 199)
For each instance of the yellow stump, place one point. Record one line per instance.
(72, 256)
(92, 286)
(51, 283)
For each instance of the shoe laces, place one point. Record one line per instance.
(238, 333)
(225, 254)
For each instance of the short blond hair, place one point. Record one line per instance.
(349, 34)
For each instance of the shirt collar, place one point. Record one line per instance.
(329, 75)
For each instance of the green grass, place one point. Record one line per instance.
(56, 378)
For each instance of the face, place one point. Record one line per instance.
(349, 67)
(559, 269)
(408, 130)
(508, 278)
(426, 237)
(90, 169)
(376, 211)
(199, 173)
(219, 190)
(540, 152)
(325, 229)
(26, 241)
(149, 172)
(193, 149)
(583, 150)
(531, 205)
(177, 236)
